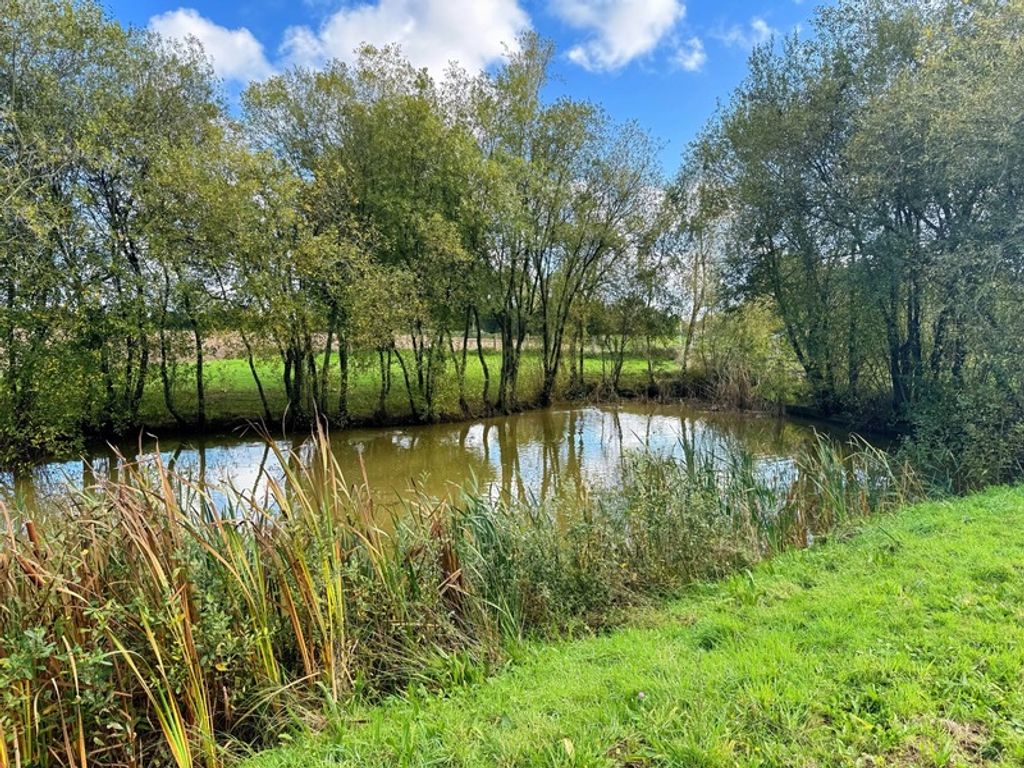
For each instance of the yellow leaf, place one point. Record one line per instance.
(570, 750)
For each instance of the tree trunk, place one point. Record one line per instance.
(325, 376)
(343, 379)
(408, 384)
(485, 394)
(166, 381)
(200, 383)
(256, 377)
(385, 383)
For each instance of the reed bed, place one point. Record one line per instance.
(155, 621)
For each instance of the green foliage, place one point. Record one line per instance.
(746, 360)
(359, 210)
(88, 114)
(866, 172)
(898, 647)
(968, 439)
(154, 619)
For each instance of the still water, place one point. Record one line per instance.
(526, 455)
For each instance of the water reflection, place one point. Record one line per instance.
(526, 455)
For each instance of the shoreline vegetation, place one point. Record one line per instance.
(235, 404)
(898, 643)
(233, 399)
(145, 623)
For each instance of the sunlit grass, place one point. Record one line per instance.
(898, 646)
(232, 395)
(155, 619)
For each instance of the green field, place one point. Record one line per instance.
(231, 393)
(901, 645)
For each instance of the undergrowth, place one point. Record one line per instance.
(157, 621)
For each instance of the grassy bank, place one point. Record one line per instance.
(902, 646)
(233, 399)
(152, 620)
(232, 395)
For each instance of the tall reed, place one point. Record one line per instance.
(156, 621)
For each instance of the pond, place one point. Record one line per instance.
(522, 456)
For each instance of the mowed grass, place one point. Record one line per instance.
(231, 392)
(902, 645)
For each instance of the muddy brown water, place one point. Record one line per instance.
(522, 456)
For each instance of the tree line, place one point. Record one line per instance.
(866, 180)
(845, 232)
(361, 208)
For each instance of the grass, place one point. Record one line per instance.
(232, 395)
(156, 620)
(900, 646)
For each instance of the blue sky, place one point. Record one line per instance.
(664, 63)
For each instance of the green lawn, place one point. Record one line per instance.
(232, 395)
(901, 646)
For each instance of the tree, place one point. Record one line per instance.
(572, 187)
(86, 107)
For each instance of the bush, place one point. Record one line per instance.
(746, 359)
(965, 438)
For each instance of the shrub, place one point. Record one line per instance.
(746, 359)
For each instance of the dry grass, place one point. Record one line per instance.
(156, 621)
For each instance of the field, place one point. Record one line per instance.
(901, 646)
(231, 393)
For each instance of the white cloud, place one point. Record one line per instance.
(690, 55)
(758, 31)
(236, 53)
(621, 30)
(432, 33)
